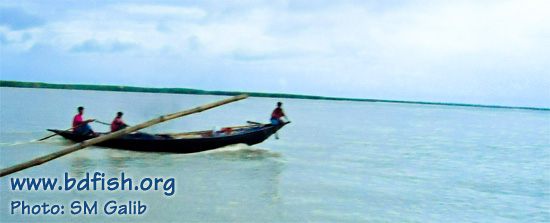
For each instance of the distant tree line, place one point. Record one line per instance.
(21, 84)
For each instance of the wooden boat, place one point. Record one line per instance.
(190, 142)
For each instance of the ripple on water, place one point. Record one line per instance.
(241, 152)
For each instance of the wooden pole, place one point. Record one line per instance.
(100, 122)
(84, 144)
(47, 137)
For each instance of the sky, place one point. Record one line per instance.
(477, 52)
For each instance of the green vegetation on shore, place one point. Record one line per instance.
(20, 84)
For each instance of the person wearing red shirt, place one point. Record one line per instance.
(117, 123)
(276, 116)
(81, 126)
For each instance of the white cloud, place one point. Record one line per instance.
(354, 48)
(162, 11)
(435, 29)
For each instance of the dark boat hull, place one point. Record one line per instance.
(189, 145)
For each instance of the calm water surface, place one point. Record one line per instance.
(336, 162)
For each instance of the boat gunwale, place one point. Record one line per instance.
(262, 127)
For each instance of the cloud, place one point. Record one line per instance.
(161, 11)
(18, 19)
(94, 46)
(491, 52)
(3, 39)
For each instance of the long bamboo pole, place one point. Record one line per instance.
(84, 144)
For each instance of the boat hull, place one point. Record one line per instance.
(188, 145)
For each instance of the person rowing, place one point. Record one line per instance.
(117, 123)
(277, 115)
(81, 126)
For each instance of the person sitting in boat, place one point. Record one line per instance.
(277, 114)
(81, 126)
(117, 123)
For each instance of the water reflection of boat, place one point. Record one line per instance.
(189, 142)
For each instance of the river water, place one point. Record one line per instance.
(336, 162)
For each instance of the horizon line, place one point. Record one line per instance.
(121, 88)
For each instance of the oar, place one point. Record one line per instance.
(119, 133)
(47, 137)
(105, 123)
(254, 123)
(100, 122)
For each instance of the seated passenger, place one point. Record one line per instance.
(117, 123)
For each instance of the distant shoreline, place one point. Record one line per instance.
(22, 84)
